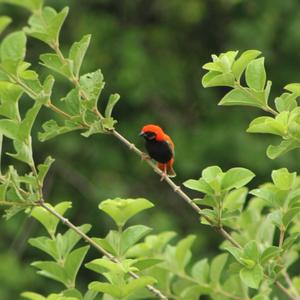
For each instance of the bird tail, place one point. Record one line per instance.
(168, 167)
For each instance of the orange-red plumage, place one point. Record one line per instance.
(160, 147)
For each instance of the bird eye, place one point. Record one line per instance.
(151, 135)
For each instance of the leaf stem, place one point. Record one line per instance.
(266, 108)
(281, 236)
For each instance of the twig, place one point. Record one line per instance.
(281, 237)
(290, 284)
(65, 221)
(286, 291)
(176, 189)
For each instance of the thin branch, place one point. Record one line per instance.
(286, 291)
(290, 284)
(176, 188)
(90, 241)
(281, 237)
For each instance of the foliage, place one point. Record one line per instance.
(263, 242)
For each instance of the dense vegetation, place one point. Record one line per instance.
(151, 55)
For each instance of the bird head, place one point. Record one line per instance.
(152, 132)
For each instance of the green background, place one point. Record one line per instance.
(151, 53)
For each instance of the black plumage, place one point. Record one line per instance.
(159, 150)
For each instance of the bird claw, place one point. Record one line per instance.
(163, 176)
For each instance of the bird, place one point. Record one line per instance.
(160, 147)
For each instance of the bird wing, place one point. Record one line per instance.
(170, 143)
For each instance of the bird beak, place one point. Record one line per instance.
(142, 133)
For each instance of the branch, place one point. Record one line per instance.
(286, 291)
(291, 285)
(65, 221)
(176, 189)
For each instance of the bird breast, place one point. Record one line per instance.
(159, 150)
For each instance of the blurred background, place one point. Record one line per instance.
(151, 53)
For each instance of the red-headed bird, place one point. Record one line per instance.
(160, 148)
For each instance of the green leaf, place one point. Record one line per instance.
(73, 263)
(242, 62)
(217, 266)
(108, 123)
(53, 62)
(121, 210)
(213, 78)
(45, 94)
(49, 221)
(45, 244)
(284, 147)
(33, 296)
(32, 5)
(77, 53)
(290, 241)
(27, 122)
(289, 216)
(9, 97)
(73, 102)
(132, 235)
(244, 97)
(235, 199)
(94, 128)
(44, 168)
(200, 271)
(46, 25)
(199, 185)
(102, 265)
(260, 297)
(136, 284)
(106, 288)
(210, 173)
(286, 102)
(51, 270)
(269, 125)
(9, 128)
(293, 88)
(90, 295)
(252, 277)
(236, 178)
(92, 85)
(276, 218)
(235, 252)
(13, 47)
(145, 263)
(256, 74)
(112, 101)
(251, 251)
(105, 244)
(193, 292)
(182, 251)
(72, 294)
(23, 151)
(270, 253)
(4, 22)
(283, 179)
(52, 129)
(71, 238)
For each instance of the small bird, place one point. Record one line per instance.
(160, 148)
